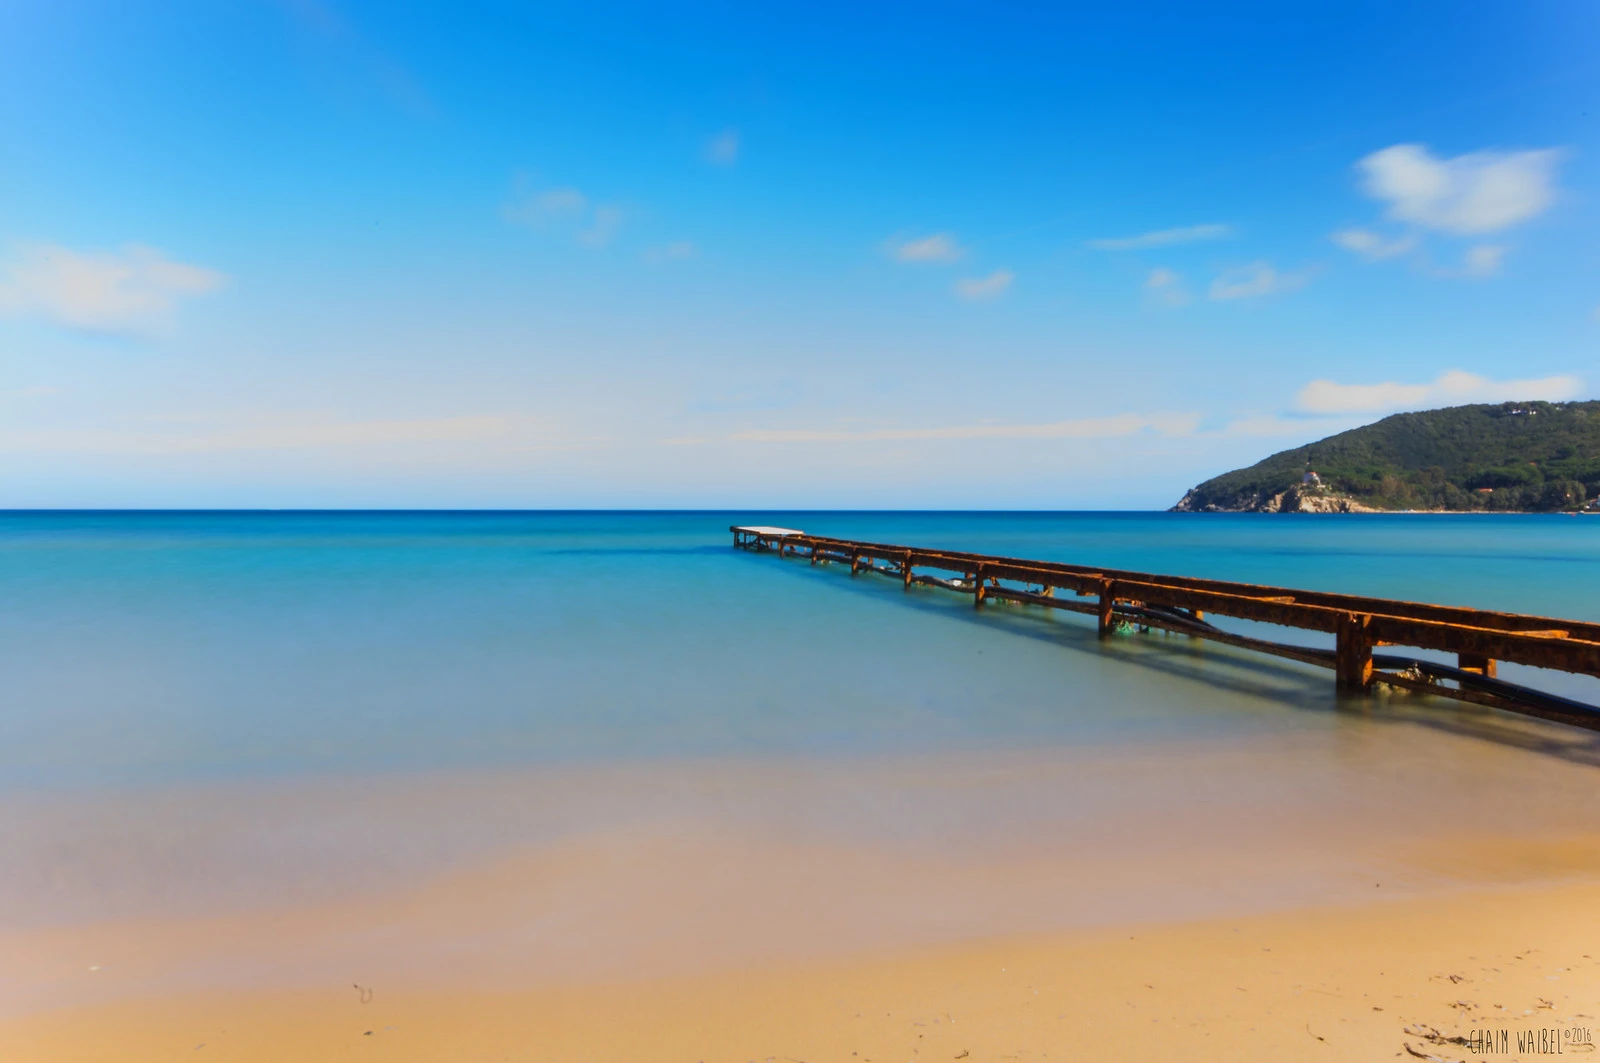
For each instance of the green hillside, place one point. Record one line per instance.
(1541, 456)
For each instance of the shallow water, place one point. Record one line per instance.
(154, 647)
(610, 738)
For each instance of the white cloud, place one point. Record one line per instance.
(276, 430)
(675, 251)
(1166, 287)
(1271, 424)
(568, 209)
(940, 247)
(34, 392)
(723, 149)
(1124, 424)
(1475, 193)
(350, 59)
(603, 227)
(558, 201)
(537, 207)
(1371, 245)
(1255, 280)
(135, 290)
(1163, 238)
(1484, 260)
(990, 287)
(1453, 388)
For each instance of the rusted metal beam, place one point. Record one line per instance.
(1047, 601)
(1479, 638)
(1585, 630)
(1590, 721)
(1352, 652)
(1537, 641)
(1540, 649)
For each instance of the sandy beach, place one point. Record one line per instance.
(1416, 978)
(1215, 926)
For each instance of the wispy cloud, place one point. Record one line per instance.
(975, 289)
(1452, 388)
(275, 430)
(128, 292)
(723, 149)
(566, 209)
(1373, 246)
(34, 392)
(1163, 238)
(603, 227)
(673, 252)
(1256, 280)
(1125, 424)
(347, 57)
(1166, 288)
(550, 203)
(1483, 260)
(1475, 193)
(541, 206)
(1271, 424)
(1477, 262)
(940, 247)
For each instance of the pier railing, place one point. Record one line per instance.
(1118, 598)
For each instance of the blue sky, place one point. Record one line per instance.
(319, 253)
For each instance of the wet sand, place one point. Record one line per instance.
(1253, 896)
(1384, 980)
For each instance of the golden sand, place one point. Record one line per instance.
(1395, 979)
(1301, 899)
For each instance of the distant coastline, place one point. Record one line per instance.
(1514, 457)
(1369, 511)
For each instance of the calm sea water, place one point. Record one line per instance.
(156, 647)
(304, 749)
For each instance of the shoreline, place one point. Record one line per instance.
(520, 880)
(1366, 981)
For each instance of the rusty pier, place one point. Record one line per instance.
(1119, 599)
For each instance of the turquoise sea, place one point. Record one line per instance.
(311, 749)
(151, 647)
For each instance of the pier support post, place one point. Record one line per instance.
(977, 588)
(1353, 652)
(905, 569)
(1476, 662)
(855, 562)
(1107, 600)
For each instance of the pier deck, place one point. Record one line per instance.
(1478, 638)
